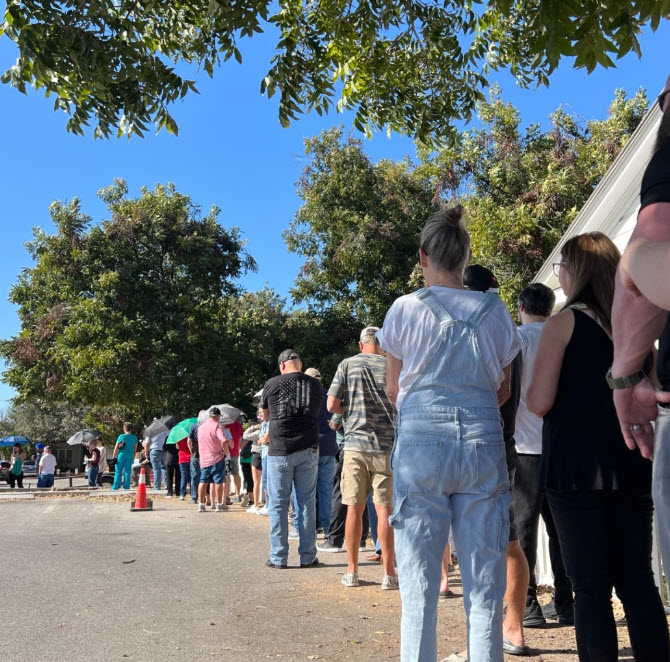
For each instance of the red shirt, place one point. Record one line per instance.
(236, 430)
(184, 452)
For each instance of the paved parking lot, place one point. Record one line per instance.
(85, 579)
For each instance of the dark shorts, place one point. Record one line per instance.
(256, 461)
(513, 535)
(216, 473)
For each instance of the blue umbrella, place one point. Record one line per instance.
(14, 439)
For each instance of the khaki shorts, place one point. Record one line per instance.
(362, 472)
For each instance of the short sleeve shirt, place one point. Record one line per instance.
(360, 382)
(210, 439)
(294, 401)
(48, 464)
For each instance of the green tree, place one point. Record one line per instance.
(411, 66)
(47, 422)
(127, 316)
(357, 228)
(522, 187)
(359, 223)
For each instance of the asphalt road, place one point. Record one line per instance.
(88, 580)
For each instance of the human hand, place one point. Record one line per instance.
(636, 408)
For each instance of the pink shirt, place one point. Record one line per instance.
(210, 438)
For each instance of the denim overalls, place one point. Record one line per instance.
(449, 469)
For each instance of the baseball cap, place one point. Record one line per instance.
(480, 279)
(214, 411)
(288, 355)
(313, 372)
(39, 446)
(369, 330)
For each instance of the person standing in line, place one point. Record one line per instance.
(599, 491)
(246, 455)
(184, 457)
(358, 392)
(103, 466)
(39, 447)
(156, 454)
(171, 459)
(448, 352)
(236, 431)
(93, 464)
(47, 468)
(292, 401)
(327, 451)
(124, 453)
(16, 467)
(213, 448)
(334, 542)
(195, 459)
(536, 303)
(637, 323)
(257, 472)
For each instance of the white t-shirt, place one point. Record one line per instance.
(48, 464)
(412, 333)
(528, 430)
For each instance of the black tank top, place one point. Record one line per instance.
(582, 444)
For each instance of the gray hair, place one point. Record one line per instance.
(445, 240)
(370, 339)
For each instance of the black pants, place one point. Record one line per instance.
(248, 478)
(338, 512)
(528, 503)
(606, 541)
(173, 479)
(16, 480)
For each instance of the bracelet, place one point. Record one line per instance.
(616, 383)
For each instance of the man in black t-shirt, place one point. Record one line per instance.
(637, 324)
(292, 402)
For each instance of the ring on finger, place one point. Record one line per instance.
(636, 427)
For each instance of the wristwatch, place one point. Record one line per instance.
(616, 383)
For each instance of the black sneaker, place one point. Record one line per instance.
(533, 617)
(270, 564)
(313, 564)
(567, 616)
(549, 610)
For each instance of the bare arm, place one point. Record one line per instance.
(393, 370)
(334, 405)
(504, 391)
(554, 339)
(647, 267)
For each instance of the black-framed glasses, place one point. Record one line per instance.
(557, 266)
(661, 98)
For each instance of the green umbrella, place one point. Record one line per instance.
(181, 430)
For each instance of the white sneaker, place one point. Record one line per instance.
(182, 498)
(253, 510)
(221, 507)
(389, 583)
(202, 508)
(349, 579)
(263, 511)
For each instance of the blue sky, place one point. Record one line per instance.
(231, 152)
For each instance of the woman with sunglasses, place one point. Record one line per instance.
(598, 490)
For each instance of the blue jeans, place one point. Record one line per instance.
(92, 473)
(45, 480)
(156, 458)
(195, 478)
(124, 467)
(324, 489)
(284, 471)
(449, 470)
(185, 472)
(264, 480)
(373, 519)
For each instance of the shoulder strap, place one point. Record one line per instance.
(487, 303)
(434, 305)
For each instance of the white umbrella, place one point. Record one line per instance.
(229, 414)
(83, 437)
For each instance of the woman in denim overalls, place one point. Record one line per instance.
(448, 461)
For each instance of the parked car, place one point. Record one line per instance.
(29, 469)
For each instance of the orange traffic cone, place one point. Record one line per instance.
(141, 501)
